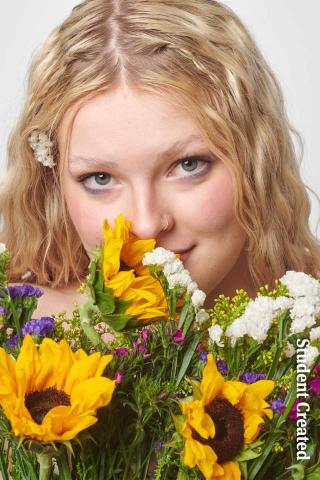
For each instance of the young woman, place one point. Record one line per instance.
(167, 112)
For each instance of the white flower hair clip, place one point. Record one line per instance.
(41, 145)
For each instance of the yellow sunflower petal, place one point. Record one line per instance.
(254, 395)
(132, 252)
(231, 471)
(212, 381)
(111, 258)
(26, 365)
(195, 453)
(121, 282)
(92, 393)
(64, 364)
(252, 422)
(62, 424)
(48, 353)
(233, 390)
(88, 367)
(8, 382)
(122, 228)
(200, 421)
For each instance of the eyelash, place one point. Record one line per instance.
(205, 160)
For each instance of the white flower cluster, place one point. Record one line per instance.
(255, 321)
(41, 145)
(2, 248)
(311, 354)
(215, 334)
(177, 276)
(304, 291)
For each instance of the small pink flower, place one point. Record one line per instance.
(144, 333)
(140, 347)
(317, 370)
(119, 378)
(107, 337)
(178, 337)
(121, 352)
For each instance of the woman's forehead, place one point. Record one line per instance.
(111, 123)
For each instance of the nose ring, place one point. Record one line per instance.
(166, 225)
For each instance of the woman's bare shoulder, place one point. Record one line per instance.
(54, 301)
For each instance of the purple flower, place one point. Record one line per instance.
(42, 327)
(277, 406)
(222, 367)
(263, 426)
(25, 291)
(315, 385)
(144, 333)
(294, 412)
(203, 357)
(178, 337)
(140, 347)
(119, 376)
(3, 310)
(252, 377)
(158, 445)
(12, 342)
(121, 352)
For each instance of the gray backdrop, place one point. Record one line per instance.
(286, 31)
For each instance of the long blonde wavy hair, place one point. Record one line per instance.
(198, 53)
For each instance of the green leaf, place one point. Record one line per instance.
(87, 310)
(92, 335)
(117, 322)
(178, 422)
(314, 475)
(187, 358)
(182, 475)
(122, 305)
(247, 455)
(298, 473)
(105, 301)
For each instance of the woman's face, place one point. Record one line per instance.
(127, 155)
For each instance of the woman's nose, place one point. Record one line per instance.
(150, 225)
(149, 217)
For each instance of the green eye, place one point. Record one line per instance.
(102, 178)
(190, 164)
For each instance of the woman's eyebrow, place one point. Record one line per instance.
(96, 162)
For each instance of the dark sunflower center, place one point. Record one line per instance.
(39, 403)
(229, 436)
(124, 266)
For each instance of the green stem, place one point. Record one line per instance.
(15, 319)
(64, 470)
(45, 462)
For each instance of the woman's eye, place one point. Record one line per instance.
(194, 165)
(97, 181)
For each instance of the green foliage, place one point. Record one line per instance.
(225, 310)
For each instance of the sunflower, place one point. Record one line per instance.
(217, 424)
(124, 273)
(50, 393)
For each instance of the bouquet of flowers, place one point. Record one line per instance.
(144, 383)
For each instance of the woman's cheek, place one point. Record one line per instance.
(214, 206)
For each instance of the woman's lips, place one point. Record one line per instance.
(184, 255)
